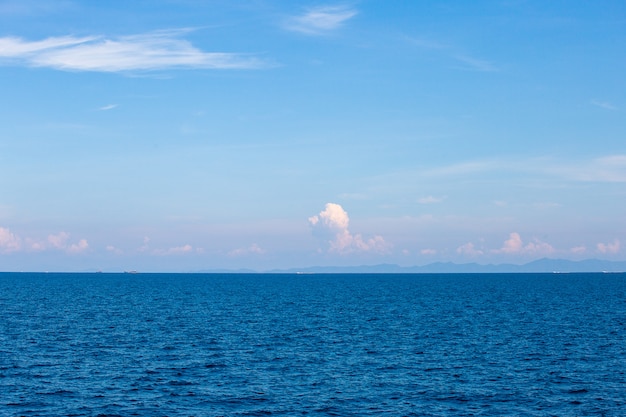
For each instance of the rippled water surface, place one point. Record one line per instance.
(235, 345)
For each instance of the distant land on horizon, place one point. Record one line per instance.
(544, 265)
(540, 265)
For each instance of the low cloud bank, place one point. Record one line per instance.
(10, 242)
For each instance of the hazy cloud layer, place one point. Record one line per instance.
(150, 51)
(332, 224)
(608, 169)
(462, 61)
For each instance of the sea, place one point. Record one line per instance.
(312, 344)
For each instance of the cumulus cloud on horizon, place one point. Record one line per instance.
(143, 52)
(253, 249)
(177, 250)
(469, 249)
(515, 245)
(612, 247)
(10, 242)
(331, 224)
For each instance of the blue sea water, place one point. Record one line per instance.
(318, 345)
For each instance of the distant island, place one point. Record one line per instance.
(540, 265)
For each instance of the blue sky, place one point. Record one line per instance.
(189, 135)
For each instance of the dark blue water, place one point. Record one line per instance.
(319, 345)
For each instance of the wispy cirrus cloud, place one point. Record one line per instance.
(462, 61)
(107, 107)
(159, 50)
(603, 104)
(320, 20)
(475, 64)
(609, 168)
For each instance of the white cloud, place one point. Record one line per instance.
(58, 241)
(320, 20)
(8, 241)
(613, 247)
(144, 52)
(146, 245)
(333, 217)
(512, 245)
(428, 251)
(108, 107)
(113, 249)
(332, 224)
(35, 245)
(14, 47)
(177, 250)
(538, 247)
(515, 245)
(252, 249)
(578, 249)
(469, 249)
(79, 247)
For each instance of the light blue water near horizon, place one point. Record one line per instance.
(319, 345)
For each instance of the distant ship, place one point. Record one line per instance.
(131, 272)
